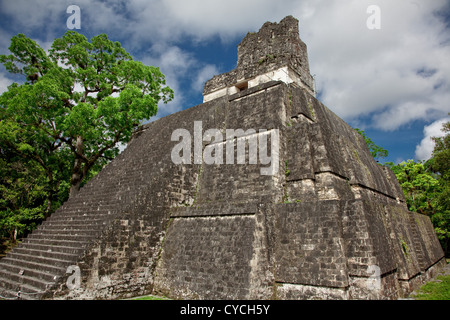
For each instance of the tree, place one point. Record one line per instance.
(22, 197)
(426, 186)
(376, 151)
(440, 165)
(78, 102)
(420, 186)
(21, 146)
(440, 161)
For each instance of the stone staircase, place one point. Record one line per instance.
(42, 259)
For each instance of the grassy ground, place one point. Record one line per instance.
(150, 298)
(436, 289)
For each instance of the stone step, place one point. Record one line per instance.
(9, 291)
(78, 219)
(78, 243)
(93, 198)
(59, 236)
(102, 202)
(81, 219)
(7, 294)
(43, 257)
(68, 222)
(66, 230)
(53, 248)
(91, 209)
(44, 261)
(16, 281)
(65, 235)
(61, 226)
(81, 212)
(47, 254)
(32, 265)
(88, 209)
(35, 273)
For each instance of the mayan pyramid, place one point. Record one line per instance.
(290, 206)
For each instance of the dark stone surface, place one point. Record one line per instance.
(313, 230)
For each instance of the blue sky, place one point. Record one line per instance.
(392, 82)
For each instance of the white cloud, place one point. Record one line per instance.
(425, 149)
(143, 21)
(206, 73)
(177, 65)
(375, 73)
(202, 19)
(4, 82)
(37, 16)
(395, 75)
(391, 76)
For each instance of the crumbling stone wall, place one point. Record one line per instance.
(274, 46)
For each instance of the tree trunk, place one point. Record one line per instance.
(51, 193)
(77, 170)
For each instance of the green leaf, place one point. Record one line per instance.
(91, 90)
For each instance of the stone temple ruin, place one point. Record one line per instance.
(328, 222)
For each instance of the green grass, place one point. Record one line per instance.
(150, 298)
(435, 290)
